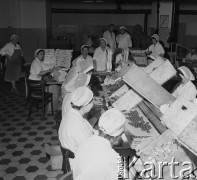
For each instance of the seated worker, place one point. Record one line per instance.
(38, 69)
(191, 56)
(74, 130)
(102, 57)
(185, 88)
(124, 39)
(80, 80)
(83, 57)
(96, 159)
(155, 49)
(84, 67)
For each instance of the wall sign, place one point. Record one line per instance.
(164, 21)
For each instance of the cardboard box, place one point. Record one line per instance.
(55, 155)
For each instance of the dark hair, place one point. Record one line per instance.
(86, 46)
(111, 25)
(76, 107)
(41, 50)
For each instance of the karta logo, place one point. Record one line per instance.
(186, 170)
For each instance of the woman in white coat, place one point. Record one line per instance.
(186, 88)
(155, 49)
(96, 159)
(14, 56)
(74, 129)
(37, 67)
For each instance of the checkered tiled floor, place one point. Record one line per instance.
(21, 140)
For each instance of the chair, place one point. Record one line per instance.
(67, 176)
(66, 153)
(38, 97)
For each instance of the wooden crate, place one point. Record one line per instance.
(181, 118)
(162, 150)
(147, 87)
(179, 115)
(126, 102)
(152, 66)
(163, 73)
(138, 137)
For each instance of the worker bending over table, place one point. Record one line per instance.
(102, 57)
(80, 80)
(185, 88)
(96, 159)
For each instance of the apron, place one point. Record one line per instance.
(13, 66)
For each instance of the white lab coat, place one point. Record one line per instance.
(66, 104)
(96, 159)
(36, 67)
(103, 59)
(74, 130)
(124, 41)
(156, 50)
(77, 61)
(111, 40)
(187, 91)
(9, 48)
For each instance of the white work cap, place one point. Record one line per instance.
(103, 40)
(37, 51)
(112, 122)
(79, 80)
(81, 96)
(13, 36)
(187, 73)
(84, 46)
(123, 27)
(155, 36)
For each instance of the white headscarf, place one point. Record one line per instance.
(13, 36)
(36, 52)
(187, 73)
(83, 46)
(81, 96)
(79, 80)
(155, 36)
(123, 27)
(112, 122)
(103, 40)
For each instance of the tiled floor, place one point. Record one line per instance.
(22, 155)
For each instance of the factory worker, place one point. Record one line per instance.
(191, 56)
(74, 130)
(110, 37)
(80, 80)
(85, 68)
(96, 159)
(155, 49)
(186, 88)
(103, 57)
(121, 59)
(84, 57)
(124, 39)
(13, 62)
(37, 67)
